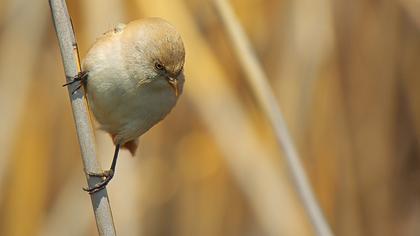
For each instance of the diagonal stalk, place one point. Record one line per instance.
(260, 87)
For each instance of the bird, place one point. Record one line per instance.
(133, 76)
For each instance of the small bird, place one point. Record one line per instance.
(133, 77)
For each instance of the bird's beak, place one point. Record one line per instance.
(174, 84)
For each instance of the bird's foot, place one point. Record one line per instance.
(106, 177)
(81, 77)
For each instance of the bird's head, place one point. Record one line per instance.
(156, 53)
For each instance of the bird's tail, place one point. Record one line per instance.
(131, 146)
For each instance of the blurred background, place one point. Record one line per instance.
(345, 73)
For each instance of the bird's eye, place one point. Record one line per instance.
(159, 66)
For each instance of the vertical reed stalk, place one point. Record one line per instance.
(69, 54)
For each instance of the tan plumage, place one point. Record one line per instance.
(127, 90)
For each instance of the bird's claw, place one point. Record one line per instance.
(81, 77)
(106, 177)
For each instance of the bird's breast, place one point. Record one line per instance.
(127, 109)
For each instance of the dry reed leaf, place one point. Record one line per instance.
(20, 45)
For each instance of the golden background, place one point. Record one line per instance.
(345, 73)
